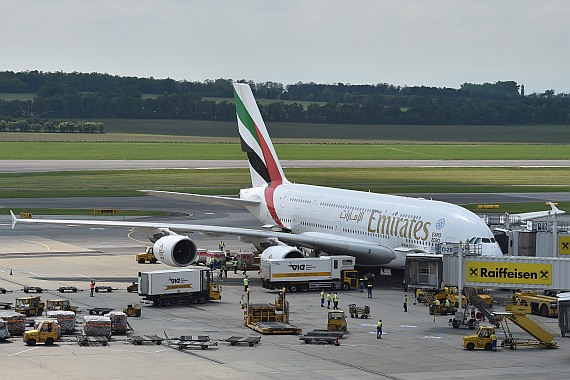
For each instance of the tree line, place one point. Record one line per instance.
(50, 126)
(79, 95)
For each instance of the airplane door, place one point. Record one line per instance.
(315, 203)
(296, 223)
(337, 228)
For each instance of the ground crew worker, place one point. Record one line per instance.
(405, 303)
(322, 298)
(224, 269)
(447, 304)
(361, 285)
(369, 288)
(235, 264)
(493, 341)
(245, 283)
(379, 329)
(221, 245)
(335, 301)
(328, 300)
(92, 287)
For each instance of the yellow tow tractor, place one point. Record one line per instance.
(29, 306)
(133, 310)
(336, 321)
(148, 255)
(481, 340)
(60, 304)
(47, 332)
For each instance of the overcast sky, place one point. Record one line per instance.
(440, 43)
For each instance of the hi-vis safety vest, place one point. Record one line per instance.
(246, 281)
(335, 298)
(379, 324)
(322, 294)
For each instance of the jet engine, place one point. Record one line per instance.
(175, 250)
(281, 252)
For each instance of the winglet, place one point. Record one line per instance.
(14, 219)
(555, 210)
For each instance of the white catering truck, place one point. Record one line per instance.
(178, 286)
(302, 274)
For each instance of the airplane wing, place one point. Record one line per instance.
(539, 214)
(327, 242)
(207, 199)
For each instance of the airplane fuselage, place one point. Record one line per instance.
(400, 224)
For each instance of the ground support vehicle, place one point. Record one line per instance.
(139, 340)
(6, 305)
(249, 340)
(191, 341)
(463, 319)
(86, 340)
(99, 310)
(29, 306)
(4, 333)
(441, 309)
(46, 332)
(148, 255)
(178, 286)
(3, 290)
(336, 320)
(302, 274)
(312, 338)
(269, 318)
(63, 289)
(133, 288)
(103, 288)
(60, 304)
(519, 315)
(35, 289)
(355, 311)
(543, 305)
(481, 340)
(133, 311)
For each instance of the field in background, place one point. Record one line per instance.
(229, 181)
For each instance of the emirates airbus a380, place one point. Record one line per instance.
(378, 229)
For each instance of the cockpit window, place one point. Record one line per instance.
(486, 240)
(474, 240)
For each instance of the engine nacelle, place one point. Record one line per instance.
(175, 250)
(281, 252)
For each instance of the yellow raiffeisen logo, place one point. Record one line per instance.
(509, 273)
(304, 274)
(178, 286)
(564, 245)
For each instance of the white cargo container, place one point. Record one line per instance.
(325, 272)
(176, 286)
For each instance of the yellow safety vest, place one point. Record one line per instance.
(379, 324)
(246, 281)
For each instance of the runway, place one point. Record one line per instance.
(22, 166)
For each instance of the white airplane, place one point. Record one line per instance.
(379, 230)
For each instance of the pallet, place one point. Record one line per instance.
(308, 339)
(63, 289)
(99, 310)
(35, 289)
(107, 289)
(84, 340)
(139, 340)
(332, 333)
(274, 328)
(5, 305)
(250, 340)
(191, 341)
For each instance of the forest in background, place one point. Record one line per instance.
(58, 95)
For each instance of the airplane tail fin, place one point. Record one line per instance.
(264, 165)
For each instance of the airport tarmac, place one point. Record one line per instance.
(415, 346)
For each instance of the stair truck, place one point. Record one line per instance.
(178, 286)
(302, 274)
